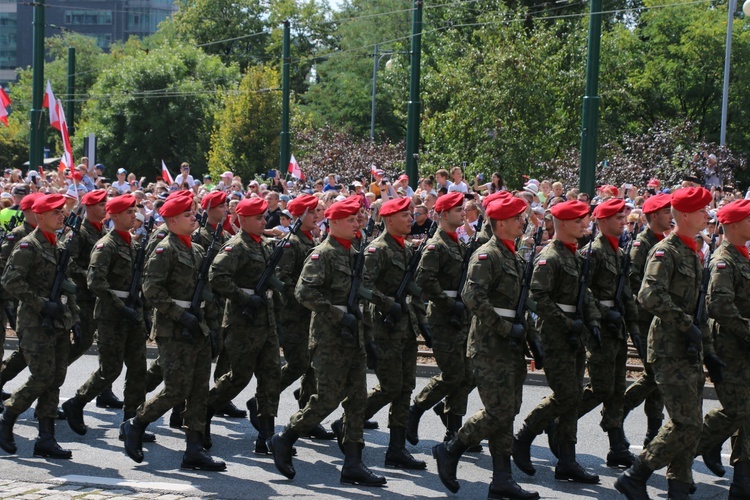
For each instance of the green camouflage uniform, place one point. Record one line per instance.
(669, 291)
(153, 374)
(645, 387)
(339, 363)
(606, 364)
(729, 307)
(491, 294)
(555, 283)
(396, 346)
(252, 343)
(438, 276)
(110, 275)
(171, 274)
(28, 278)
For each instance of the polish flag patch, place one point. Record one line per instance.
(542, 262)
(372, 250)
(721, 265)
(659, 253)
(315, 256)
(482, 256)
(159, 250)
(99, 246)
(287, 245)
(636, 243)
(10, 237)
(430, 247)
(228, 248)
(160, 235)
(24, 245)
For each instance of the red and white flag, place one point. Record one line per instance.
(4, 103)
(67, 160)
(51, 103)
(373, 170)
(295, 170)
(165, 174)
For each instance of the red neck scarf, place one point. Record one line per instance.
(309, 234)
(344, 243)
(743, 250)
(689, 242)
(185, 238)
(453, 236)
(358, 235)
(254, 237)
(399, 240)
(659, 236)
(573, 247)
(97, 225)
(51, 237)
(510, 244)
(30, 224)
(614, 242)
(125, 235)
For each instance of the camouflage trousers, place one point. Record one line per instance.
(340, 374)
(397, 377)
(456, 379)
(500, 377)
(153, 376)
(252, 350)
(46, 354)
(297, 356)
(88, 327)
(606, 366)
(681, 385)
(186, 368)
(222, 360)
(644, 389)
(119, 342)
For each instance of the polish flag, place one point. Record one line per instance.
(4, 103)
(50, 102)
(67, 160)
(165, 174)
(295, 170)
(373, 170)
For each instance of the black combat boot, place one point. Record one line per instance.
(231, 411)
(147, 436)
(354, 471)
(412, 425)
(552, 438)
(107, 399)
(453, 426)
(522, 450)
(447, 456)
(7, 421)
(678, 490)
(712, 459)
(338, 430)
(632, 482)
(4, 395)
(73, 409)
(397, 455)
(252, 411)
(619, 450)
(503, 485)
(568, 469)
(439, 410)
(46, 445)
(133, 431)
(281, 446)
(370, 424)
(654, 424)
(319, 432)
(740, 488)
(175, 418)
(207, 442)
(267, 427)
(197, 458)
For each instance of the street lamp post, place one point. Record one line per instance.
(727, 59)
(377, 56)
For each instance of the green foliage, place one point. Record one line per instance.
(14, 147)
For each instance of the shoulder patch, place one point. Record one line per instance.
(430, 247)
(315, 256)
(99, 246)
(659, 253)
(542, 262)
(228, 248)
(159, 250)
(24, 244)
(161, 235)
(636, 243)
(287, 245)
(11, 237)
(482, 256)
(721, 265)
(372, 250)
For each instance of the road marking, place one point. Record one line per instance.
(124, 483)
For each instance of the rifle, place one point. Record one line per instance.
(620, 290)
(73, 221)
(700, 308)
(456, 319)
(526, 285)
(585, 265)
(411, 268)
(134, 297)
(352, 301)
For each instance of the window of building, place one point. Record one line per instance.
(88, 17)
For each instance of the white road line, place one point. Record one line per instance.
(141, 485)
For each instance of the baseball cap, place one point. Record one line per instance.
(122, 171)
(286, 213)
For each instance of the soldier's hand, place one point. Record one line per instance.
(575, 327)
(349, 322)
(597, 334)
(537, 351)
(715, 368)
(516, 336)
(256, 302)
(426, 332)
(131, 315)
(213, 338)
(10, 313)
(190, 321)
(635, 337)
(52, 309)
(395, 312)
(695, 342)
(457, 314)
(613, 319)
(372, 355)
(77, 334)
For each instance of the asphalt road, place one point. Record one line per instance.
(99, 459)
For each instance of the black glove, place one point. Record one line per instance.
(597, 334)
(256, 302)
(613, 319)
(576, 327)
(349, 328)
(516, 335)
(715, 368)
(457, 314)
(537, 351)
(78, 334)
(635, 338)
(52, 309)
(190, 321)
(426, 332)
(213, 338)
(131, 315)
(10, 313)
(394, 313)
(695, 342)
(372, 355)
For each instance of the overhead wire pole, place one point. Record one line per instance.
(414, 108)
(590, 118)
(284, 157)
(36, 130)
(727, 60)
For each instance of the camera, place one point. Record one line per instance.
(480, 177)
(351, 187)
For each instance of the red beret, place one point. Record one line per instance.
(177, 204)
(609, 208)
(28, 200)
(49, 202)
(509, 206)
(656, 202)
(734, 212)
(251, 206)
(180, 194)
(301, 203)
(499, 195)
(344, 208)
(120, 203)
(691, 199)
(213, 199)
(391, 207)
(448, 201)
(569, 210)
(610, 188)
(94, 197)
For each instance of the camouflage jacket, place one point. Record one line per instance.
(156, 237)
(729, 294)
(290, 269)
(28, 277)
(110, 275)
(10, 242)
(80, 253)
(638, 256)
(670, 288)
(205, 235)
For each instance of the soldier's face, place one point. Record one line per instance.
(52, 220)
(697, 221)
(183, 223)
(576, 227)
(742, 228)
(218, 212)
(400, 223)
(613, 226)
(661, 220)
(345, 228)
(124, 221)
(253, 224)
(455, 217)
(97, 211)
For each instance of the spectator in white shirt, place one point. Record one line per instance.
(121, 184)
(458, 181)
(441, 176)
(184, 175)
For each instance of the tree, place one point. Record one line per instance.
(156, 105)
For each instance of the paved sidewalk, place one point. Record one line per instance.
(65, 491)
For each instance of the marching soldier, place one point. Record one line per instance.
(496, 343)
(252, 342)
(439, 278)
(555, 288)
(45, 325)
(677, 348)
(121, 333)
(486, 234)
(658, 212)
(170, 275)
(337, 347)
(729, 307)
(606, 362)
